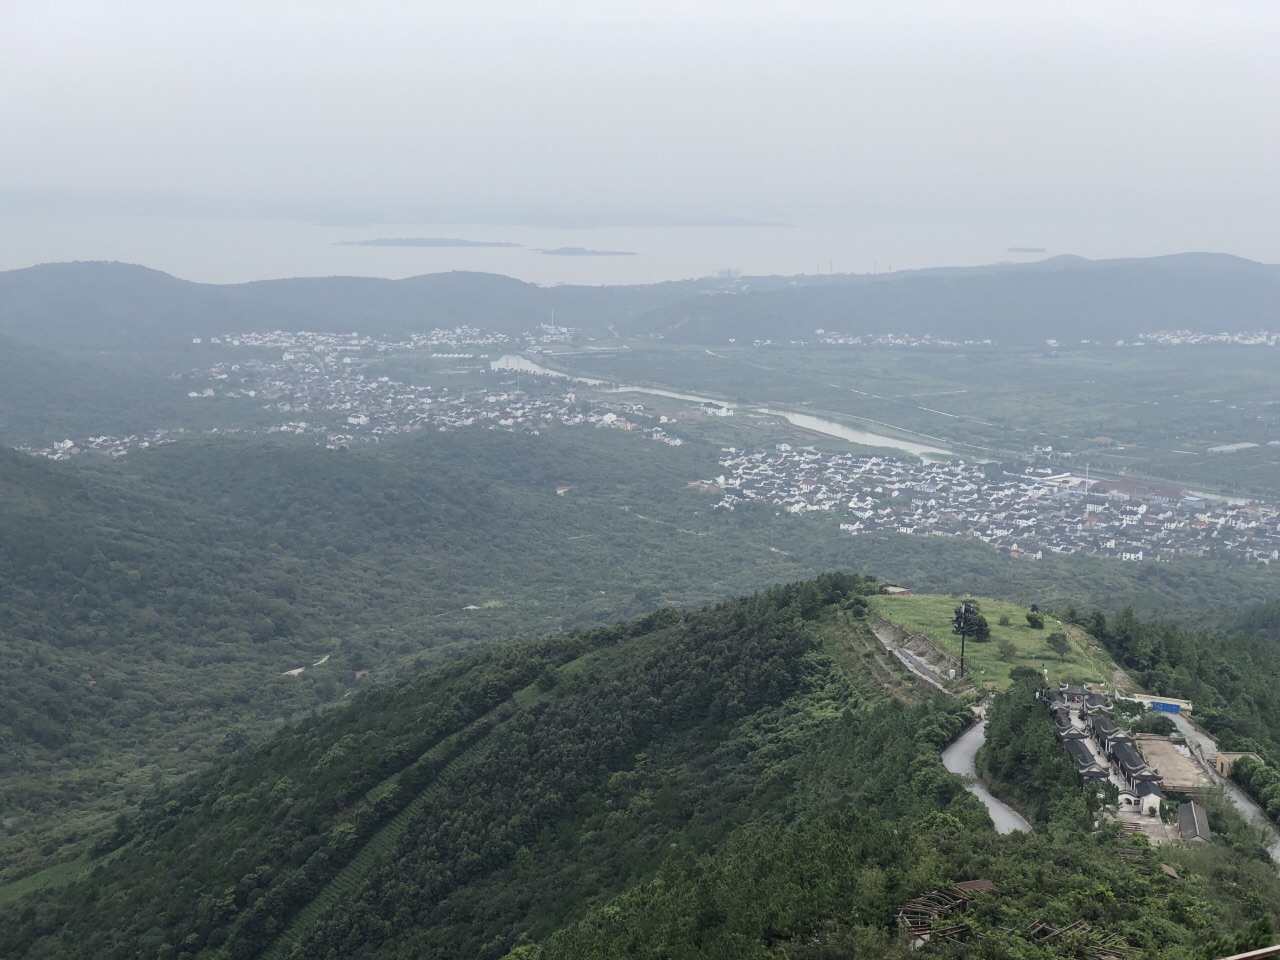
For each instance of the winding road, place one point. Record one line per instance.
(1250, 810)
(958, 758)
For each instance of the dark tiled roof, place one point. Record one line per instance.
(1193, 823)
(1103, 726)
(1128, 757)
(1079, 752)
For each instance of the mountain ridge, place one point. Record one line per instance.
(110, 305)
(1021, 304)
(105, 304)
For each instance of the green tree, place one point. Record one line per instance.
(1059, 644)
(1035, 620)
(981, 629)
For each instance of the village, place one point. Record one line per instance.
(326, 386)
(321, 385)
(1026, 514)
(1190, 338)
(1141, 769)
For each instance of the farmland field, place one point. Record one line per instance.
(1152, 411)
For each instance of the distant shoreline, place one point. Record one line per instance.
(423, 242)
(584, 252)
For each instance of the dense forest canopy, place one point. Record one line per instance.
(709, 783)
(153, 608)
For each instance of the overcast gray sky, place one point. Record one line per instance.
(1119, 111)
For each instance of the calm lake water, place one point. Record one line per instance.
(230, 250)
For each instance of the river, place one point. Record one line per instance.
(958, 758)
(518, 364)
(864, 437)
(805, 421)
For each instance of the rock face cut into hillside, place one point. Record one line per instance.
(918, 653)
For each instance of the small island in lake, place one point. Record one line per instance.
(422, 242)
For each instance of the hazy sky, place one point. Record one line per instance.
(1129, 115)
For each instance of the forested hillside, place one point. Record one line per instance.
(712, 783)
(115, 306)
(44, 394)
(481, 782)
(150, 610)
(1228, 675)
(1067, 299)
(156, 611)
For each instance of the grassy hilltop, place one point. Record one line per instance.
(989, 663)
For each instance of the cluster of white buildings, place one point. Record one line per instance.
(331, 397)
(333, 346)
(549, 333)
(1027, 514)
(834, 337)
(104, 445)
(1175, 338)
(459, 341)
(1186, 338)
(389, 408)
(346, 396)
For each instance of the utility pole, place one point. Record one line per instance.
(964, 623)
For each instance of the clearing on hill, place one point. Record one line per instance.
(988, 663)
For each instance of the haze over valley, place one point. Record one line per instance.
(589, 481)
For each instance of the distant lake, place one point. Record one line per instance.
(213, 250)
